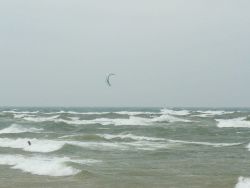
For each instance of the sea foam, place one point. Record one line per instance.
(16, 128)
(168, 118)
(243, 183)
(132, 120)
(38, 165)
(37, 145)
(175, 112)
(211, 113)
(236, 122)
(46, 146)
(131, 136)
(205, 143)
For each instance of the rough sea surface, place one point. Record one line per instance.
(124, 147)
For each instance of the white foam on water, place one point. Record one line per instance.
(20, 116)
(85, 161)
(131, 136)
(46, 146)
(168, 118)
(204, 143)
(210, 113)
(175, 112)
(15, 128)
(38, 165)
(236, 122)
(148, 145)
(70, 136)
(98, 145)
(243, 182)
(40, 119)
(248, 147)
(108, 121)
(37, 145)
(134, 113)
(132, 120)
(88, 113)
(77, 113)
(20, 112)
(140, 143)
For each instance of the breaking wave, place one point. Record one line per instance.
(37, 145)
(132, 120)
(168, 118)
(15, 128)
(175, 112)
(205, 143)
(46, 146)
(243, 183)
(236, 122)
(50, 166)
(211, 113)
(130, 136)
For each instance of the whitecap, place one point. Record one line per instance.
(132, 120)
(76, 113)
(168, 118)
(205, 143)
(131, 113)
(98, 145)
(175, 112)
(40, 119)
(50, 166)
(131, 136)
(20, 112)
(108, 121)
(46, 146)
(16, 128)
(210, 113)
(148, 145)
(37, 145)
(236, 122)
(243, 183)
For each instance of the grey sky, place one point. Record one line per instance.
(165, 53)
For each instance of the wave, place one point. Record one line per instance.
(77, 121)
(140, 142)
(77, 113)
(107, 121)
(205, 143)
(19, 112)
(50, 166)
(15, 128)
(132, 120)
(36, 118)
(248, 146)
(150, 146)
(46, 146)
(236, 122)
(243, 183)
(37, 145)
(130, 136)
(211, 113)
(175, 112)
(168, 118)
(130, 113)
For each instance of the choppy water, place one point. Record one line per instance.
(125, 147)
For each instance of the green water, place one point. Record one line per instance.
(123, 147)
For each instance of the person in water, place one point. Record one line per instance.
(29, 143)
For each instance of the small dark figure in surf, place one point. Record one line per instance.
(29, 143)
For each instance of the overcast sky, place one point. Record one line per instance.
(164, 53)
